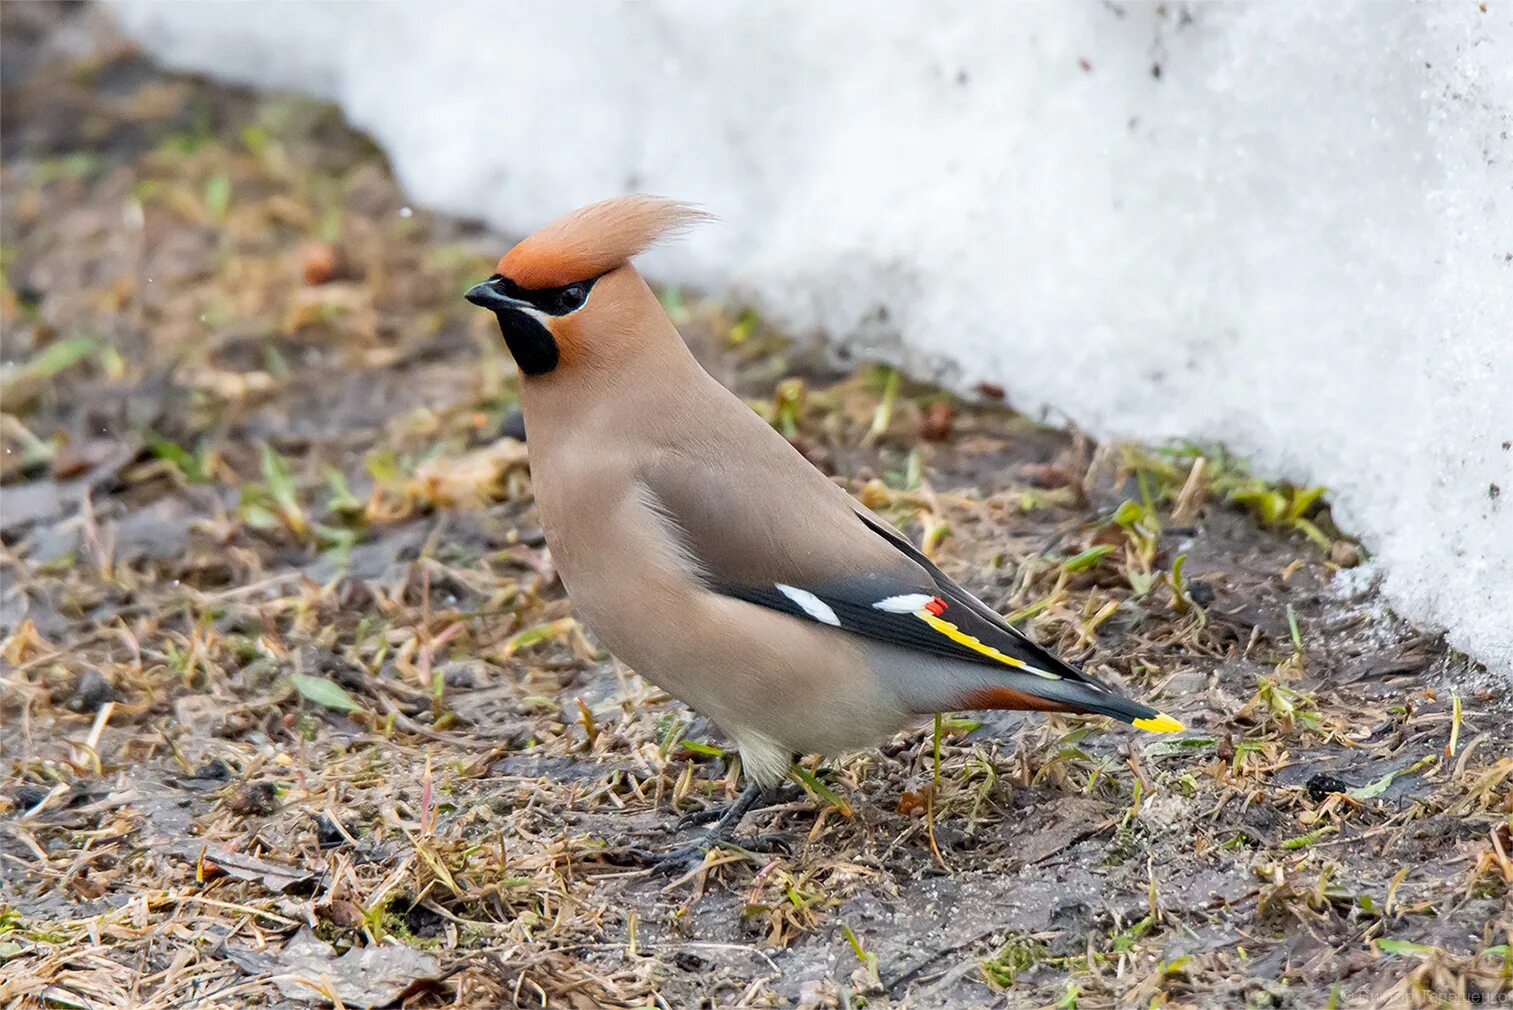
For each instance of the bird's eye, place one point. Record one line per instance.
(573, 296)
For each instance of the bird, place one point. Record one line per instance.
(707, 553)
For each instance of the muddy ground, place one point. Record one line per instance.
(293, 709)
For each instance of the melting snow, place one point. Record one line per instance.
(1285, 227)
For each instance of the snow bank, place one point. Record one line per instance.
(1288, 227)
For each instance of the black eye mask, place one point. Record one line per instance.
(552, 301)
(530, 343)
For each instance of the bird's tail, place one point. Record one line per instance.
(1068, 690)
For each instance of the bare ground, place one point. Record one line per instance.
(293, 709)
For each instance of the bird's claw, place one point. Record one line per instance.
(726, 821)
(779, 794)
(694, 818)
(666, 863)
(688, 857)
(680, 860)
(765, 844)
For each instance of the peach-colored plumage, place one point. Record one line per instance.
(595, 239)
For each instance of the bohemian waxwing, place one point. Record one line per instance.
(708, 554)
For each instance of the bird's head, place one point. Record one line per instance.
(568, 289)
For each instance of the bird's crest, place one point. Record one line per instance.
(595, 239)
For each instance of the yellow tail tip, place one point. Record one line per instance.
(1160, 723)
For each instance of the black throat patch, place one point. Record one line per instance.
(531, 345)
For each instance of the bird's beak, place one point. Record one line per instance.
(486, 295)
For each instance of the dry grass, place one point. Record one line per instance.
(289, 681)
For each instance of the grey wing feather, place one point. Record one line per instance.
(815, 553)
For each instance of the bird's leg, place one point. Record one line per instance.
(731, 818)
(715, 811)
(720, 831)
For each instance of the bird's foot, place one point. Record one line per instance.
(694, 818)
(780, 794)
(722, 832)
(688, 857)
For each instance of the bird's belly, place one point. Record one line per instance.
(754, 671)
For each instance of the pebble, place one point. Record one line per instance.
(254, 798)
(1201, 593)
(1324, 783)
(92, 691)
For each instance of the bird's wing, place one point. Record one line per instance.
(833, 562)
(916, 607)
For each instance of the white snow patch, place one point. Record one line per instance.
(1297, 239)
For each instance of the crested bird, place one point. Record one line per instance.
(704, 551)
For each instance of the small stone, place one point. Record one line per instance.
(464, 674)
(27, 796)
(327, 834)
(254, 799)
(1048, 475)
(1324, 783)
(690, 962)
(1201, 593)
(214, 770)
(1225, 749)
(1345, 554)
(92, 691)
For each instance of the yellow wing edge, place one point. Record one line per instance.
(955, 634)
(1160, 723)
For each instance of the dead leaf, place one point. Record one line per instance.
(342, 913)
(274, 876)
(473, 479)
(309, 970)
(914, 804)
